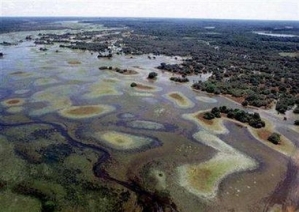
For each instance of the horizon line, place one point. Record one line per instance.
(132, 17)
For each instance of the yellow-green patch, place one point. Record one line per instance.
(179, 100)
(203, 179)
(122, 141)
(101, 89)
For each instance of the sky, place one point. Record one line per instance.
(209, 9)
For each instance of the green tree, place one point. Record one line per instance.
(274, 138)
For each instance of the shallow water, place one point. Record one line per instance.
(52, 83)
(275, 34)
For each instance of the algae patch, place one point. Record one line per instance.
(101, 89)
(206, 99)
(149, 125)
(203, 179)
(179, 100)
(123, 141)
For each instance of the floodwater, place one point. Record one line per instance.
(275, 34)
(65, 124)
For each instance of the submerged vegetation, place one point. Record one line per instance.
(91, 122)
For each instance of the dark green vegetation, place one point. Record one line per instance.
(243, 64)
(41, 162)
(253, 120)
(152, 75)
(47, 168)
(296, 122)
(12, 24)
(274, 138)
(133, 84)
(179, 79)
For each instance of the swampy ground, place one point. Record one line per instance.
(76, 136)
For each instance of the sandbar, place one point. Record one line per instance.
(86, 111)
(215, 125)
(13, 102)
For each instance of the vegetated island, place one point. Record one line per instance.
(257, 69)
(259, 129)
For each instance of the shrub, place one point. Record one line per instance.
(296, 122)
(133, 84)
(256, 123)
(215, 110)
(241, 116)
(217, 114)
(223, 109)
(209, 116)
(231, 115)
(274, 138)
(152, 75)
(296, 110)
(256, 116)
(244, 103)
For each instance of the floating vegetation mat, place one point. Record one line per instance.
(22, 91)
(142, 94)
(146, 88)
(148, 125)
(11, 167)
(14, 109)
(21, 74)
(57, 98)
(88, 111)
(214, 142)
(74, 62)
(126, 116)
(20, 202)
(206, 99)
(45, 81)
(99, 89)
(203, 179)
(216, 125)
(179, 100)
(124, 141)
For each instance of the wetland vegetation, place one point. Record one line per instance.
(109, 114)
